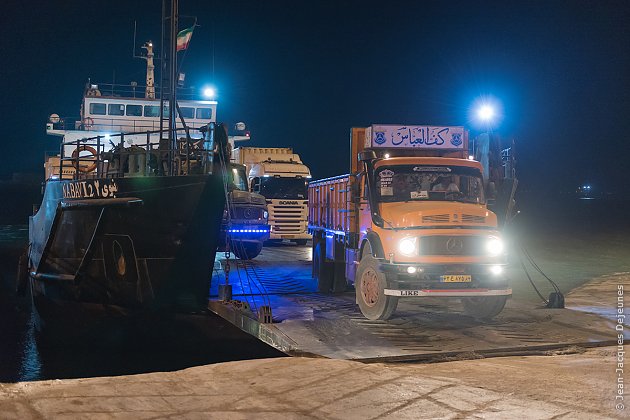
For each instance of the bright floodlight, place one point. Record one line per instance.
(209, 92)
(485, 113)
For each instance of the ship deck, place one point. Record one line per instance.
(304, 322)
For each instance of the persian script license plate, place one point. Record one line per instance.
(456, 278)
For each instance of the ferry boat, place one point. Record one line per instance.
(132, 205)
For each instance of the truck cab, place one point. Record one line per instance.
(244, 227)
(410, 221)
(279, 175)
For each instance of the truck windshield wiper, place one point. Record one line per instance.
(380, 219)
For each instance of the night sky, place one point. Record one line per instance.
(301, 74)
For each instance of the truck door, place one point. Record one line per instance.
(365, 217)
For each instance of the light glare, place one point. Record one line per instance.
(209, 92)
(486, 113)
(494, 246)
(496, 270)
(407, 246)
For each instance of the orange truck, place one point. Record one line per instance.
(411, 220)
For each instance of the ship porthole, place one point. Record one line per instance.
(119, 258)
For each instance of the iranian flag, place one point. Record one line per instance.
(183, 38)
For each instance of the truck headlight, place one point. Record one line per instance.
(265, 214)
(407, 246)
(494, 246)
(496, 270)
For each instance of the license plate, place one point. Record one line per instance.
(456, 278)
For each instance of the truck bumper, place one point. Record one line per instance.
(289, 236)
(249, 233)
(445, 280)
(448, 293)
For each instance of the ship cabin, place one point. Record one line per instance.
(136, 115)
(113, 109)
(124, 121)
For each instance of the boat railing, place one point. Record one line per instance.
(133, 155)
(134, 91)
(117, 125)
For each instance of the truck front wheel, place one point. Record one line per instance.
(484, 307)
(370, 287)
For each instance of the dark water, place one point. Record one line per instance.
(137, 346)
(565, 221)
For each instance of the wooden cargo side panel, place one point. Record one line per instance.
(330, 204)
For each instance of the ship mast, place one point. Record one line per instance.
(168, 85)
(149, 92)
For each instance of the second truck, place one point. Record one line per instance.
(280, 176)
(410, 220)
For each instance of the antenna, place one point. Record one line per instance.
(133, 54)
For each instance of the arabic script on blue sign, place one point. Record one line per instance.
(416, 136)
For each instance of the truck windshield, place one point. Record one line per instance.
(237, 178)
(429, 183)
(272, 187)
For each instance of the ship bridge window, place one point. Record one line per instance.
(187, 112)
(151, 111)
(204, 113)
(98, 109)
(115, 109)
(134, 110)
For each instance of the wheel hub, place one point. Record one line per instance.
(369, 288)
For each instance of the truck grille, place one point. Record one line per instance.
(451, 245)
(247, 213)
(445, 218)
(287, 219)
(471, 218)
(436, 218)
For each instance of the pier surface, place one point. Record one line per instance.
(573, 386)
(304, 322)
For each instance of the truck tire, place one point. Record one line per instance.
(370, 284)
(246, 251)
(323, 271)
(340, 284)
(484, 307)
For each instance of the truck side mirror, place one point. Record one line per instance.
(491, 194)
(492, 191)
(367, 155)
(255, 184)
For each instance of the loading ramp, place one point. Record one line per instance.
(304, 322)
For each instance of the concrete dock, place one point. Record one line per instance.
(571, 386)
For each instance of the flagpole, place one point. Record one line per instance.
(172, 120)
